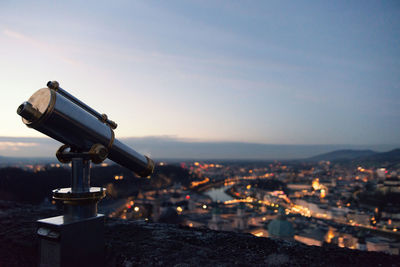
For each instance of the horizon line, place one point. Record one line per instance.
(193, 140)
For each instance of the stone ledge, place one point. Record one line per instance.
(130, 243)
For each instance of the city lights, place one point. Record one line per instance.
(118, 177)
(179, 210)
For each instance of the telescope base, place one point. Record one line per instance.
(67, 243)
(79, 205)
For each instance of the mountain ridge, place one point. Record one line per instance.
(343, 154)
(360, 156)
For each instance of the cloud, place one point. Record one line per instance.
(27, 147)
(46, 47)
(13, 34)
(15, 146)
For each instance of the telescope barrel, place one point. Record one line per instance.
(55, 86)
(58, 116)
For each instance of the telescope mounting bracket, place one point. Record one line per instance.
(80, 200)
(97, 154)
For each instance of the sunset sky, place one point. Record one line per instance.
(270, 72)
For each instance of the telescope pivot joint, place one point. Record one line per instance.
(97, 154)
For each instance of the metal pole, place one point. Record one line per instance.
(80, 181)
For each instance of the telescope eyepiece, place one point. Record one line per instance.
(28, 112)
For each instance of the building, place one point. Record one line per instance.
(280, 227)
(240, 220)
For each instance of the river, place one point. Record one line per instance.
(218, 194)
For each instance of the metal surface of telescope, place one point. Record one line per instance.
(61, 116)
(76, 238)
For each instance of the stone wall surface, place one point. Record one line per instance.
(130, 243)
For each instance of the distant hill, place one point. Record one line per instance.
(345, 154)
(392, 156)
(361, 157)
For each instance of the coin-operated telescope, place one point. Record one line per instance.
(76, 238)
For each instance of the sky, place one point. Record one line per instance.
(267, 72)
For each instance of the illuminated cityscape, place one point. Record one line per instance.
(315, 203)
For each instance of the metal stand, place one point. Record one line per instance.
(77, 237)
